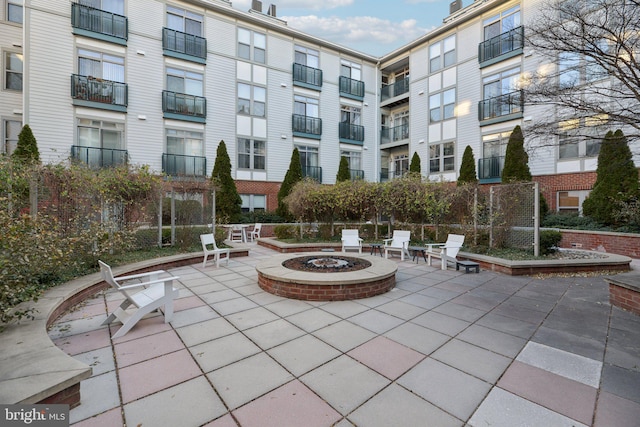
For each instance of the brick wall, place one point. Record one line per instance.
(618, 243)
(624, 298)
(551, 184)
(270, 189)
(326, 292)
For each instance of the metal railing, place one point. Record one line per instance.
(182, 103)
(351, 132)
(309, 75)
(503, 105)
(187, 44)
(181, 165)
(490, 168)
(356, 174)
(395, 89)
(99, 21)
(501, 44)
(306, 124)
(314, 172)
(351, 87)
(99, 157)
(395, 133)
(94, 89)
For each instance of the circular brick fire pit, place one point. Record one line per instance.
(321, 276)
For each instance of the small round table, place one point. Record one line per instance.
(376, 247)
(417, 251)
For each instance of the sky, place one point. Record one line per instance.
(376, 27)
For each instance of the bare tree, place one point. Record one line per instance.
(588, 71)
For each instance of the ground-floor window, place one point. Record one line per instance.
(251, 154)
(441, 157)
(571, 201)
(11, 130)
(253, 202)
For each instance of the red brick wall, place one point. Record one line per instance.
(617, 243)
(326, 292)
(551, 184)
(624, 298)
(261, 187)
(69, 396)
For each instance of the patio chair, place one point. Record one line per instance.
(237, 234)
(398, 243)
(255, 233)
(153, 292)
(207, 241)
(351, 240)
(447, 251)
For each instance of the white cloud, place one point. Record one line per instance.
(297, 4)
(357, 29)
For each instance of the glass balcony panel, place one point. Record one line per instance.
(395, 89)
(351, 132)
(99, 157)
(187, 44)
(94, 89)
(98, 21)
(181, 165)
(351, 87)
(490, 168)
(306, 124)
(308, 75)
(184, 104)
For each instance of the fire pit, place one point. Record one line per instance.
(318, 276)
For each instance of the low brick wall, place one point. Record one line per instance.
(624, 291)
(326, 292)
(627, 244)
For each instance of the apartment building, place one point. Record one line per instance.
(163, 82)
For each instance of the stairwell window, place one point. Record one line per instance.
(441, 157)
(252, 45)
(252, 100)
(251, 154)
(442, 54)
(14, 11)
(13, 71)
(442, 105)
(11, 129)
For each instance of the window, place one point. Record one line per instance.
(185, 143)
(13, 71)
(502, 23)
(304, 106)
(251, 99)
(351, 70)
(251, 154)
(100, 65)
(253, 202)
(11, 129)
(14, 11)
(354, 160)
(568, 147)
(442, 54)
(571, 201)
(113, 6)
(400, 165)
(184, 21)
(187, 82)
(441, 157)
(495, 145)
(442, 105)
(349, 114)
(100, 143)
(568, 70)
(250, 41)
(574, 69)
(581, 137)
(500, 83)
(500, 94)
(306, 56)
(309, 162)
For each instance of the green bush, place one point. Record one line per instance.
(571, 221)
(286, 231)
(549, 241)
(262, 217)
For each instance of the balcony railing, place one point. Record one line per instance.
(490, 169)
(306, 125)
(98, 21)
(92, 89)
(502, 44)
(180, 165)
(307, 76)
(185, 45)
(99, 157)
(393, 134)
(395, 89)
(351, 88)
(313, 172)
(356, 174)
(183, 104)
(384, 174)
(503, 105)
(351, 132)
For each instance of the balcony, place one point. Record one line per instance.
(353, 89)
(184, 166)
(501, 108)
(97, 158)
(181, 106)
(184, 46)
(394, 134)
(490, 169)
(501, 47)
(350, 133)
(99, 24)
(306, 127)
(394, 90)
(94, 92)
(356, 174)
(307, 77)
(313, 172)
(384, 174)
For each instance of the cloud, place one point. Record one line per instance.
(421, 1)
(295, 4)
(357, 29)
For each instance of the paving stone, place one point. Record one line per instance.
(145, 348)
(460, 311)
(508, 325)
(418, 338)
(476, 302)
(504, 409)
(303, 354)
(520, 313)
(615, 411)
(193, 315)
(400, 309)
(567, 341)
(273, 333)
(422, 301)
(208, 330)
(287, 307)
(581, 322)
(480, 363)
(623, 348)
(100, 360)
(223, 351)
(439, 293)
(386, 357)
(313, 319)
(490, 339)
(251, 318)
(344, 335)
(441, 323)
(376, 321)
(110, 418)
(454, 391)
(621, 382)
(99, 394)
(233, 306)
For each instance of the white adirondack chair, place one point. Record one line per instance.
(148, 292)
(209, 248)
(255, 233)
(447, 251)
(351, 240)
(398, 243)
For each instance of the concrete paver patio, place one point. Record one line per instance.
(443, 348)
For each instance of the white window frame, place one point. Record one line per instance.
(14, 6)
(354, 159)
(577, 196)
(186, 77)
(185, 16)
(311, 106)
(350, 114)
(183, 136)
(6, 61)
(105, 60)
(252, 202)
(309, 154)
(500, 19)
(311, 56)
(257, 151)
(350, 69)
(254, 99)
(10, 141)
(442, 54)
(252, 45)
(442, 157)
(442, 105)
(584, 136)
